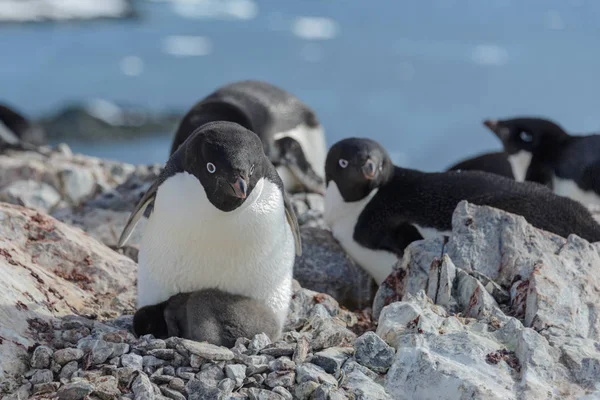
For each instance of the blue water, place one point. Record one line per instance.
(417, 77)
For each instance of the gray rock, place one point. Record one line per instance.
(332, 359)
(119, 349)
(326, 268)
(106, 388)
(172, 394)
(100, 350)
(41, 357)
(211, 373)
(329, 332)
(310, 372)
(256, 364)
(75, 390)
(133, 361)
(237, 372)
(282, 364)
(304, 390)
(363, 387)
(41, 376)
(302, 349)
(45, 388)
(279, 349)
(76, 334)
(259, 342)
(177, 384)
(125, 375)
(283, 392)
(68, 370)
(142, 387)
(164, 354)
(199, 390)
(31, 194)
(67, 355)
(372, 352)
(208, 351)
(78, 184)
(262, 394)
(226, 385)
(281, 378)
(151, 361)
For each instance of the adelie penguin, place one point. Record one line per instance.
(209, 315)
(221, 220)
(495, 163)
(291, 134)
(540, 149)
(368, 200)
(18, 133)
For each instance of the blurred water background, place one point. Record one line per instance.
(417, 76)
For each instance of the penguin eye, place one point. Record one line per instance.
(526, 137)
(211, 167)
(343, 163)
(251, 169)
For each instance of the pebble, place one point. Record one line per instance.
(107, 388)
(281, 378)
(262, 394)
(198, 390)
(142, 387)
(119, 349)
(164, 354)
(310, 372)
(259, 342)
(125, 375)
(279, 350)
(132, 360)
(372, 352)
(41, 376)
(208, 351)
(227, 385)
(301, 351)
(305, 389)
(172, 394)
(75, 335)
(283, 392)
(42, 388)
(237, 372)
(67, 355)
(210, 373)
(41, 357)
(75, 390)
(151, 361)
(177, 384)
(332, 359)
(100, 349)
(282, 364)
(68, 370)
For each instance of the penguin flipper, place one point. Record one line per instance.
(290, 216)
(137, 213)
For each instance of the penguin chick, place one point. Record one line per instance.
(151, 320)
(368, 199)
(540, 149)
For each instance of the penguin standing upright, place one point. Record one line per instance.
(291, 134)
(541, 148)
(221, 220)
(368, 199)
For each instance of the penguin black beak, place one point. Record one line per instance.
(240, 188)
(492, 124)
(369, 169)
(500, 131)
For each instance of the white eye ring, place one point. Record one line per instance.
(526, 137)
(211, 167)
(343, 163)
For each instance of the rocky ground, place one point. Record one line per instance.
(501, 310)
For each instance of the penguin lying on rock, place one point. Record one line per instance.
(207, 315)
(368, 200)
(221, 220)
(291, 134)
(539, 147)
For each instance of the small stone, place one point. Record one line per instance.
(142, 387)
(172, 394)
(151, 361)
(75, 335)
(198, 390)
(164, 354)
(100, 349)
(208, 351)
(133, 361)
(262, 394)
(259, 342)
(160, 379)
(67, 355)
(125, 375)
(41, 376)
(43, 388)
(196, 361)
(301, 352)
(237, 372)
(154, 344)
(330, 332)
(283, 392)
(280, 378)
(282, 364)
(372, 352)
(211, 373)
(332, 359)
(75, 390)
(168, 370)
(177, 384)
(76, 321)
(172, 342)
(310, 372)
(256, 364)
(119, 349)
(279, 349)
(186, 373)
(321, 393)
(115, 361)
(55, 367)
(227, 385)
(41, 357)
(305, 389)
(107, 388)
(68, 370)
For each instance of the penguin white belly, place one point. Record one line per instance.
(314, 147)
(290, 182)
(519, 163)
(431, 233)
(341, 218)
(568, 188)
(188, 244)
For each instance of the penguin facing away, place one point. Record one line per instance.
(539, 147)
(221, 220)
(16, 132)
(207, 315)
(291, 134)
(368, 199)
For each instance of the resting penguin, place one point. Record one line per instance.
(16, 132)
(368, 199)
(221, 219)
(209, 315)
(495, 163)
(292, 137)
(539, 147)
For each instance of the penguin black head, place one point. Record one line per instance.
(151, 320)
(357, 166)
(532, 135)
(227, 159)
